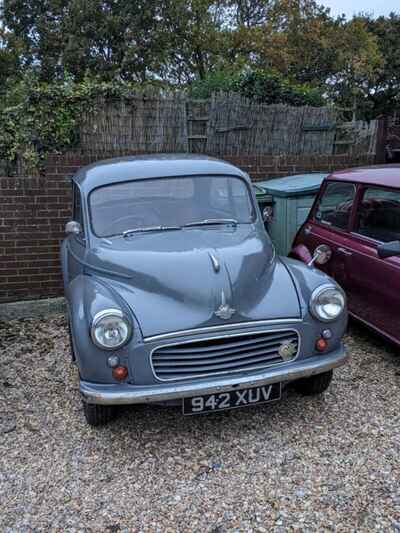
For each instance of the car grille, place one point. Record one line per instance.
(233, 353)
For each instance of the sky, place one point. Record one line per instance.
(351, 7)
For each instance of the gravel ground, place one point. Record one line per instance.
(303, 464)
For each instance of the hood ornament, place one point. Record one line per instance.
(215, 263)
(224, 311)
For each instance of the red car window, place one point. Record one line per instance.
(378, 215)
(335, 205)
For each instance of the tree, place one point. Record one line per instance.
(261, 86)
(115, 39)
(105, 38)
(175, 43)
(196, 38)
(299, 40)
(37, 27)
(358, 67)
(384, 92)
(9, 58)
(247, 13)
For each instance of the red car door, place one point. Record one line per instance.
(373, 283)
(329, 223)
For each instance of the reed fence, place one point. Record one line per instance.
(225, 125)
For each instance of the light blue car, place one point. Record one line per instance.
(176, 296)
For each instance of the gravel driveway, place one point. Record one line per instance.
(304, 464)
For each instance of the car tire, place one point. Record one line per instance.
(98, 415)
(313, 385)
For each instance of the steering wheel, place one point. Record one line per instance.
(149, 217)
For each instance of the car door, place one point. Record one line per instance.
(373, 283)
(329, 223)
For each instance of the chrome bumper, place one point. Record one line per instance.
(128, 394)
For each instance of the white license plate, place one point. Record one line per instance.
(231, 399)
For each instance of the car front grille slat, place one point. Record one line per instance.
(216, 360)
(222, 354)
(204, 346)
(221, 366)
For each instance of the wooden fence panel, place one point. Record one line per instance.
(356, 137)
(228, 124)
(319, 127)
(140, 124)
(239, 126)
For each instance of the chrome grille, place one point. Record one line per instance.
(217, 355)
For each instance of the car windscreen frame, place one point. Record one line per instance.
(253, 214)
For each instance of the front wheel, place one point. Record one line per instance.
(98, 415)
(313, 385)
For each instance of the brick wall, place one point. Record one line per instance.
(33, 212)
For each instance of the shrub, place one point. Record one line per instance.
(259, 85)
(39, 118)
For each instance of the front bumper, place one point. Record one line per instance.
(129, 394)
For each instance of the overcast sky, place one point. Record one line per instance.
(351, 7)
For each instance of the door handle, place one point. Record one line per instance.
(344, 251)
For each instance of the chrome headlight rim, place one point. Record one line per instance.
(317, 293)
(105, 314)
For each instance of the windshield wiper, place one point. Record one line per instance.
(128, 232)
(212, 222)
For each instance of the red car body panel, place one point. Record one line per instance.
(372, 284)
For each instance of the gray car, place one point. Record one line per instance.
(175, 294)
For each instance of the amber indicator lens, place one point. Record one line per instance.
(321, 345)
(120, 372)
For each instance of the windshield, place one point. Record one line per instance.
(169, 203)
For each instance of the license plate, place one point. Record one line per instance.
(231, 399)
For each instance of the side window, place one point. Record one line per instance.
(378, 215)
(334, 207)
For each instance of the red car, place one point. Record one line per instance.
(353, 234)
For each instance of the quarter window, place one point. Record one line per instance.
(334, 208)
(77, 207)
(378, 215)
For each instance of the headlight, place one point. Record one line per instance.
(327, 303)
(110, 329)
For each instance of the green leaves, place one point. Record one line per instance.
(259, 85)
(38, 118)
(58, 57)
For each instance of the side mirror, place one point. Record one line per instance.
(322, 254)
(73, 227)
(389, 249)
(268, 214)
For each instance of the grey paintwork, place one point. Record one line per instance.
(150, 166)
(167, 285)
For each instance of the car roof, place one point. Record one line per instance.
(141, 167)
(387, 175)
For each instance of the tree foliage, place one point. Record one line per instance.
(182, 41)
(384, 90)
(55, 55)
(39, 118)
(108, 38)
(259, 85)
